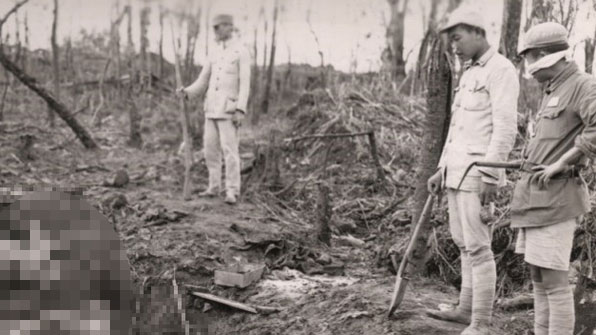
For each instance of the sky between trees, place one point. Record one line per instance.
(351, 33)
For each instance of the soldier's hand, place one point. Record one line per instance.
(544, 173)
(435, 183)
(488, 193)
(237, 118)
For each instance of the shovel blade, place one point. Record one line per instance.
(398, 294)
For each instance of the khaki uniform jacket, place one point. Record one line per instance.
(483, 121)
(567, 118)
(226, 79)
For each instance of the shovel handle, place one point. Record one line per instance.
(500, 165)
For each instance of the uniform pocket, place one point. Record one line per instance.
(476, 150)
(230, 105)
(231, 67)
(476, 99)
(552, 196)
(552, 124)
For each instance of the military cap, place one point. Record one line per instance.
(466, 16)
(544, 35)
(223, 18)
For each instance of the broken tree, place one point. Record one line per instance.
(438, 82)
(266, 96)
(395, 37)
(56, 105)
(510, 29)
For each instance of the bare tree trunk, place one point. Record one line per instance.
(265, 47)
(130, 46)
(321, 55)
(55, 62)
(395, 37)
(254, 81)
(541, 12)
(3, 101)
(135, 140)
(438, 77)
(271, 61)
(589, 53)
(192, 36)
(17, 35)
(161, 61)
(56, 105)
(207, 27)
(25, 64)
(115, 40)
(510, 29)
(589, 48)
(144, 72)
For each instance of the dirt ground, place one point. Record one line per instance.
(167, 238)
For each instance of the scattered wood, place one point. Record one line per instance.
(255, 309)
(239, 275)
(227, 302)
(60, 109)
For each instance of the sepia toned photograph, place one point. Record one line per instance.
(297, 167)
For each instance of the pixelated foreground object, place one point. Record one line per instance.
(62, 268)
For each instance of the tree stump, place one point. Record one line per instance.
(324, 213)
(265, 169)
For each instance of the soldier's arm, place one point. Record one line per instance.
(585, 142)
(243, 80)
(503, 87)
(199, 87)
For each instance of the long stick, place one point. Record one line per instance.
(181, 308)
(184, 118)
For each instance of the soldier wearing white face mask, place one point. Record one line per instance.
(550, 197)
(225, 79)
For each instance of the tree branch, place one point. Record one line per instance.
(12, 11)
(54, 104)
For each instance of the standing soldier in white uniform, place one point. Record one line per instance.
(225, 79)
(483, 127)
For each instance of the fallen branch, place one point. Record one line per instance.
(54, 104)
(238, 305)
(227, 302)
(317, 136)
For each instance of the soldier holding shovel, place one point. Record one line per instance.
(483, 127)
